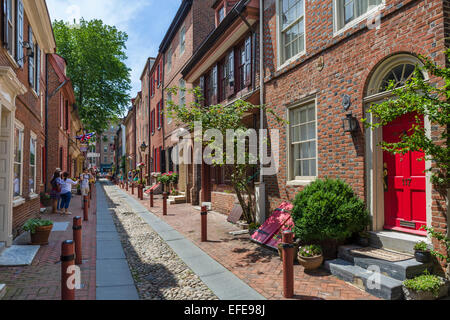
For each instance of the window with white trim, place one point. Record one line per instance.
(291, 16)
(349, 10)
(182, 40)
(169, 98)
(33, 161)
(18, 160)
(169, 59)
(303, 142)
(182, 92)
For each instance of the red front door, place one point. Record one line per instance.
(404, 183)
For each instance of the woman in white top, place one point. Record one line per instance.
(66, 192)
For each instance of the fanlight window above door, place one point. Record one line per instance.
(398, 69)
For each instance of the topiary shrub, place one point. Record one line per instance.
(328, 210)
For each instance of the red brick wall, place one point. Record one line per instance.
(28, 112)
(157, 138)
(223, 202)
(414, 27)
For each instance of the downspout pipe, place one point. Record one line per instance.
(261, 76)
(46, 125)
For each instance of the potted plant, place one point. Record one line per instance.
(425, 287)
(310, 256)
(363, 239)
(444, 255)
(45, 199)
(327, 213)
(39, 230)
(421, 252)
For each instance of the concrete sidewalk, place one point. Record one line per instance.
(114, 280)
(224, 284)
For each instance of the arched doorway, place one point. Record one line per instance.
(398, 190)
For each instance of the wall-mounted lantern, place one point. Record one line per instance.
(349, 123)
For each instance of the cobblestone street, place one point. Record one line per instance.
(158, 272)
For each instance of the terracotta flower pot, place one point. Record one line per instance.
(41, 235)
(310, 263)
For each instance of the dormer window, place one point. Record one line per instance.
(221, 14)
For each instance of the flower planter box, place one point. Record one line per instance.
(426, 295)
(422, 256)
(41, 235)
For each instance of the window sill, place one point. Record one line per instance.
(18, 202)
(300, 183)
(12, 60)
(33, 196)
(358, 20)
(34, 93)
(291, 60)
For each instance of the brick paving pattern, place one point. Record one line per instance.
(259, 267)
(42, 279)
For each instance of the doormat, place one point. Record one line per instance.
(381, 254)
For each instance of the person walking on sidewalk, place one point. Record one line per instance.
(85, 178)
(55, 192)
(66, 192)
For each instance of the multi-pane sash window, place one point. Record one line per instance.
(18, 161)
(292, 28)
(182, 39)
(182, 92)
(32, 177)
(169, 98)
(221, 14)
(8, 26)
(303, 141)
(349, 10)
(169, 59)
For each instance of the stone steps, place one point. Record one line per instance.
(376, 284)
(378, 277)
(400, 270)
(2, 247)
(395, 241)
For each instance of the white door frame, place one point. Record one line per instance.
(10, 87)
(374, 167)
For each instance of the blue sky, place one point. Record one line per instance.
(145, 22)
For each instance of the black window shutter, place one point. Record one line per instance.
(19, 31)
(31, 59)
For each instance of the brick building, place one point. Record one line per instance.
(106, 149)
(63, 122)
(156, 146)
(27, 38)
(130, 138)
(192, 23)
(225, 68)
(327, 59)
(144, 120)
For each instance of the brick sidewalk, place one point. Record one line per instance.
(259, 267)
(42, 279)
